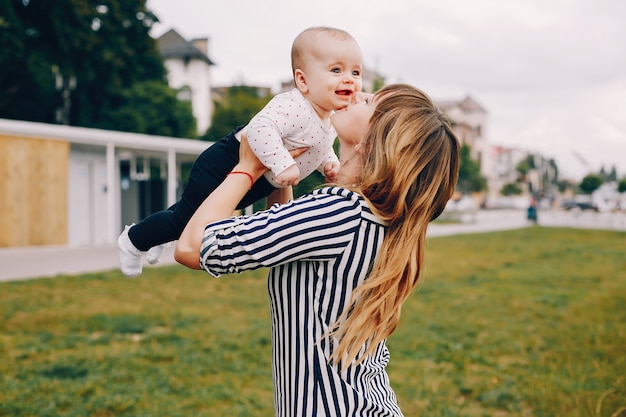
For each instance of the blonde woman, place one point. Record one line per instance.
(342, 259)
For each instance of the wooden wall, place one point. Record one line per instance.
(33, 191)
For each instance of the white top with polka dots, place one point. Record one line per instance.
(288, 122)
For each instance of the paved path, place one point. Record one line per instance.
(49, 261)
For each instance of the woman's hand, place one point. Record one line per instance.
(249, 162)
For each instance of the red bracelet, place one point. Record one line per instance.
(244, 173)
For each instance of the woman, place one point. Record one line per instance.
(342, 259)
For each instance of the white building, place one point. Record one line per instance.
(469, 123)
(188, 70)
(76, 186)
(503, 162)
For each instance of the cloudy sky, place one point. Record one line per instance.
(550, 73)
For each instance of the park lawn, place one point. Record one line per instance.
(528, 323)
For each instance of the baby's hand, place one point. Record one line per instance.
(331, 170)
(290, 176)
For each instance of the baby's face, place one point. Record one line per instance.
(333, 71)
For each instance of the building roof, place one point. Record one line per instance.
(101, 138)
(467, 105)
(173, 46)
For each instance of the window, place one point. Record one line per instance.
(184, 93)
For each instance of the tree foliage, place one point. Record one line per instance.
(525, 165)
(236, 108)
(551, 175)
(564, 185)
(590, 183)
(470, 179)
(511, 188)
(152, 108)
(621, 185)
(104, 46)
(609, 176)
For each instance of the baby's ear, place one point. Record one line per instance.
(300, 80)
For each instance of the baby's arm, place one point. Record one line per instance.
(266, 133)
(290, 176)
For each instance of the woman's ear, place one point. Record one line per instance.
(300, 81)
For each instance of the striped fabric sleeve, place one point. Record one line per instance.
(317, 226)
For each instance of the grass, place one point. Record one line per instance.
(528, 323)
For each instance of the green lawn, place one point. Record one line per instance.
(528, 323)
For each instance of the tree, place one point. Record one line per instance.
(236, 108)
(523, 167)
(550, 173)
(152, 108)
(621, 186)
(590, 183)
(23, 75)
(608, 176)
(564, 185)
(511, 188)
(104, 47)
(470, 179)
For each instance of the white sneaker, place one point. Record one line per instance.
(155, 253)
(130, 256)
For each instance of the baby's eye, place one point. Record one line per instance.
(336, 70)
(356, 73)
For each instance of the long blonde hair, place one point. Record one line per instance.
(410, 169)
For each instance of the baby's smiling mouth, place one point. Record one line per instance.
(344, 92)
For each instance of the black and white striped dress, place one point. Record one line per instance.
(319, 248)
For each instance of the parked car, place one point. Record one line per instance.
(579, 205)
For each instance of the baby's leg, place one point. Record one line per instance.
(207, 172)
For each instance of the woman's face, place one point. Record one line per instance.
(352, 122)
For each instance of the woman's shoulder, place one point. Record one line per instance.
(335, 190)
(348, 197)
(338, 193)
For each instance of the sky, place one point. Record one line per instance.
(551, 74)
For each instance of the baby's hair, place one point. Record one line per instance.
(301, 43)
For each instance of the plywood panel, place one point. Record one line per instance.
(33, 191)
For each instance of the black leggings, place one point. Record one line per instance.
(207, 173)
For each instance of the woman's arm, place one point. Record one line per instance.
(220, 204)
(316, 227)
